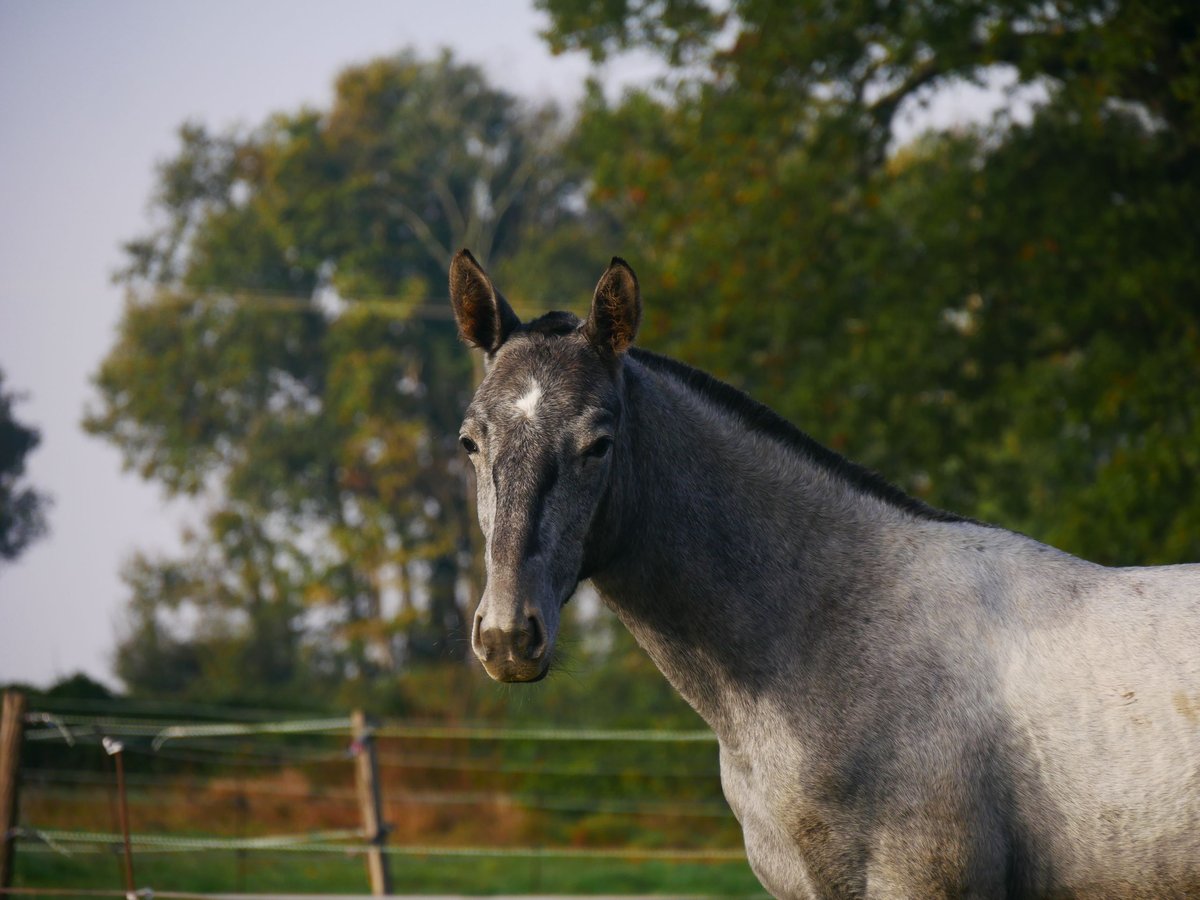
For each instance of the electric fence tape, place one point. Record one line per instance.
(319, 842)
(161, 732)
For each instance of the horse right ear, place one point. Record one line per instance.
(616, 310)
(485, 320)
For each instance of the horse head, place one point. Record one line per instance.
(544, 434)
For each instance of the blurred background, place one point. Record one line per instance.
(956, 242)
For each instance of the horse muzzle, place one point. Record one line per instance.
(512, 649)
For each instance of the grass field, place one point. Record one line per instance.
(266, 872)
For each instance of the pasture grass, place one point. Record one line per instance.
(267, 872)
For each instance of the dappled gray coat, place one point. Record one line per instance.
(909, 704)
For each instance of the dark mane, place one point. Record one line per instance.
(761, 418)
(552, 324)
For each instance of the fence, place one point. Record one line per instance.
(428, 807)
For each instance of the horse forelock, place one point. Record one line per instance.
(553, 324)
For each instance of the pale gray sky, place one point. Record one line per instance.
(91, 94)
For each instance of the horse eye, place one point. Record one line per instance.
(469, 445)
(599, 448)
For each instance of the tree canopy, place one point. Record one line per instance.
(22, 508)
(1003, 319)
(286, 352)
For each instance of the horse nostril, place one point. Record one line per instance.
(537, 639)
(477, 643)
(526, 643)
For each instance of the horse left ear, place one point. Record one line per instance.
(616, 310)
(483, 316)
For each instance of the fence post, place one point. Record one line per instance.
(12, 726)
(116, 750)
(370, 801)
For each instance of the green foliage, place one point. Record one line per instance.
(1003, 320)
(286, 353)
(78, 687)
(22, 508)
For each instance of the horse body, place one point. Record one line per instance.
(892, 691)
(908, 703)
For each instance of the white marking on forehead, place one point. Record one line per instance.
(527, 405)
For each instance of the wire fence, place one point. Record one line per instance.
(474, 800)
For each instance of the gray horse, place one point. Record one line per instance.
(909, 703)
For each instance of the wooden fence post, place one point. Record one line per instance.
(116, 750)
(12, 726)
(370, 801)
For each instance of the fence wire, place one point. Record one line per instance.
(298, 743)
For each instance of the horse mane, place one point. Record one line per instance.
(762, 419)
(552, 324)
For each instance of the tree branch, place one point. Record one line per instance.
(422, 232)
(449, 205)
(884, 109)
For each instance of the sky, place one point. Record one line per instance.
(91, 96)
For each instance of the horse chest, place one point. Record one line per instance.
(757, 793)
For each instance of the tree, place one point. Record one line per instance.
(280, 354)
(22, 508)
(1003, 319)
(863, 63)
(245, 591)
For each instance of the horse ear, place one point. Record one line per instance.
(484, 318)
(616, 310)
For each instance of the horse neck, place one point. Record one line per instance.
(735, 548)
